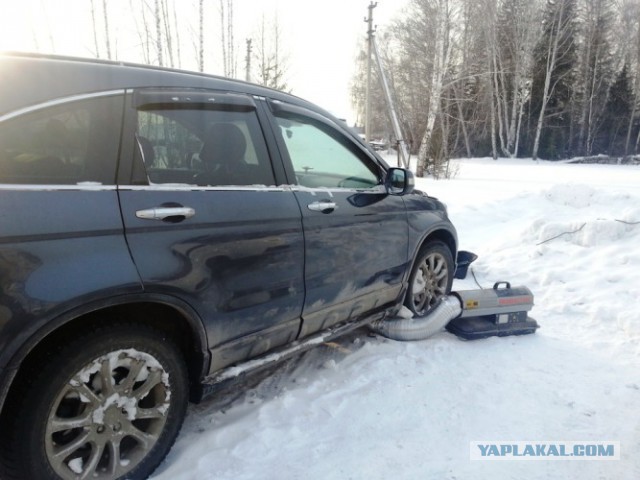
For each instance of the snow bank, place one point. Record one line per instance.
(378, 409)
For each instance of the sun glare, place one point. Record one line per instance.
(47, 27)
(15, 29)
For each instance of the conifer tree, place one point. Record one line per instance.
(618, 108)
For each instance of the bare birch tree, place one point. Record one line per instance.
(158, 31)
(629, 15)
(158, 25)
(443, 11)
(107, 35)
(555, 49)
(142, 29)
(168, 35)
(95, 29)
(201, 35)
(176, 31)
(106, 32)
(596, 71)
(226, 37)
(518, 30)
(272, 61)
(516, 77)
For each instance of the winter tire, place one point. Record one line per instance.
(431, 278)
(106, 406)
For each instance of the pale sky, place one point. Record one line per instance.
(320, 38)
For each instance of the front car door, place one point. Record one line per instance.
(207, 225)
(356, 234)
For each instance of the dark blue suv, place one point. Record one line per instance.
(163, 232)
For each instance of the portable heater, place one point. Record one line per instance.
(498, 311)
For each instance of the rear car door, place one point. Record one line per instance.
(356, 234)
(206, 223)
(61, 238)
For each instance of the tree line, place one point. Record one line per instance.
(164, 27)
(548, 79)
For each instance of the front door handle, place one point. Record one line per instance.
(167, 214)
(324, 206)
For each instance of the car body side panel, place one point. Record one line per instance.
(427, 217)
(350, 269)
(238, 261)
(355, 257)
(237, 269)
(55, 256)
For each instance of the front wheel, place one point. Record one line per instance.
(106, 406)
(431, 278)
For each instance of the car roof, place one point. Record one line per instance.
(30, 79)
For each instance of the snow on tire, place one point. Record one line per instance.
(107, 406)
(431, 278)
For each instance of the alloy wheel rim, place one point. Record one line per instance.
(429, 283)
(108, 416)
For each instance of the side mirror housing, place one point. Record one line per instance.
(399, 181)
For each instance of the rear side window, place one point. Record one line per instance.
(202, 147)
(65, 144)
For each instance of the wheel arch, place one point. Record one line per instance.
(164, 313)
(440, 234)
(443, 235)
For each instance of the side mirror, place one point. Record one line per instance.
(399, 181)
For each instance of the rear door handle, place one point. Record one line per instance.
(324, 206)
(167, 214)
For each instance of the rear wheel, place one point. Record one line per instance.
(430, 279)
(106, 406)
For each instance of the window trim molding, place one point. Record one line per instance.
(184, 187)
(45, 187)
(60, 101)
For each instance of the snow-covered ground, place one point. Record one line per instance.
(371, 408)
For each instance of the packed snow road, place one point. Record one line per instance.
(371, 408)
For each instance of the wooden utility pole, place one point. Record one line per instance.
(403, 150)
(370, 32)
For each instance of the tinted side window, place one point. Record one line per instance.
(203, 147)
(322, 157)
(63, 145)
